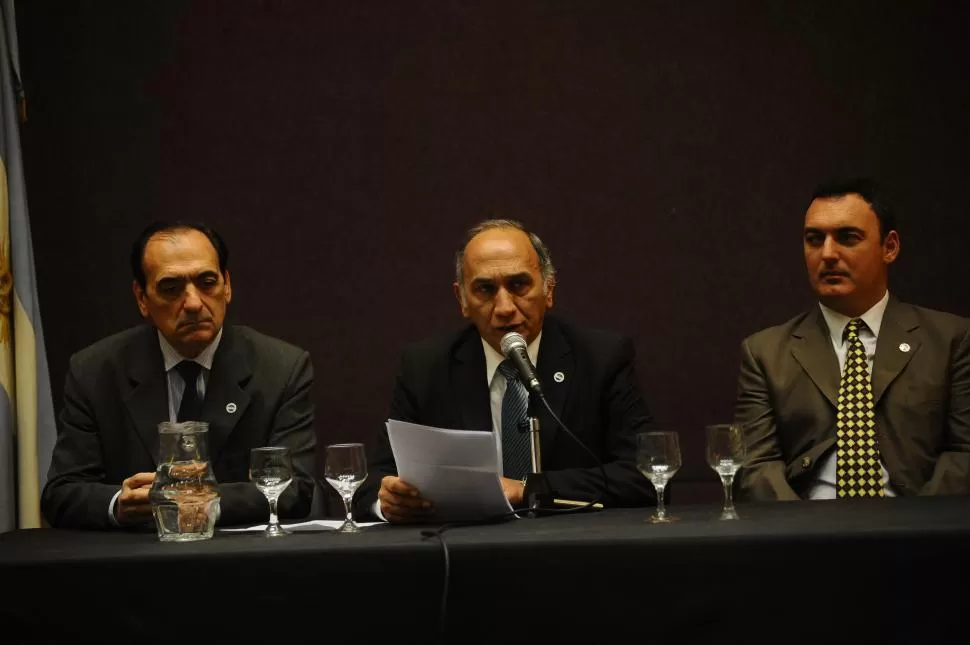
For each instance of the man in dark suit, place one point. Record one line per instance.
(817, 424)
(504, 283)
(252, 390)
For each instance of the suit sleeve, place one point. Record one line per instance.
(624, 414)
(241, 502)
(76, 495)
(952, 472)
(763, 474)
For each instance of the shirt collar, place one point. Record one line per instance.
(173, 358)
(837, 321)
(493, 358)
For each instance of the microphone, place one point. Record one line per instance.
(514, 348)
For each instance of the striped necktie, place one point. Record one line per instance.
(516, 452)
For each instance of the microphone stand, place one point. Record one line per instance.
(538, 493)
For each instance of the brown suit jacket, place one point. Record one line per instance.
(788, 388)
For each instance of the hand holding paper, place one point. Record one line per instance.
(456, 470)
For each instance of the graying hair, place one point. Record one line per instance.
(546, 269)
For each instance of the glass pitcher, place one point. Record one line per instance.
(184, 497)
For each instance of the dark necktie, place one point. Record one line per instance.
(857, 454)
(191, 407)
(516, 451)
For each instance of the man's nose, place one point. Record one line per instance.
(192, 300)
(504, 305)
(830, 249)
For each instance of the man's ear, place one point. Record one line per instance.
(550, 288)
(890, 247)
(460, 298)
(140, 298)
(228, 288)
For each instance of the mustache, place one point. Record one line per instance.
(192, 321)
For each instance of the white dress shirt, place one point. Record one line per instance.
(176, 386)
(823, 487)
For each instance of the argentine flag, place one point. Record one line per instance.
(27, 429)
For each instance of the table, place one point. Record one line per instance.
(781, 574)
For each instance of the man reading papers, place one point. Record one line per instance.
(504, 283)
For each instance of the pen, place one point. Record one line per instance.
(572, 502)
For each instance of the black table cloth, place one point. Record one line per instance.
(886, 571)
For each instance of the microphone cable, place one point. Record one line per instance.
(438, 533)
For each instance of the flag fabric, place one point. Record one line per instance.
(27, 430)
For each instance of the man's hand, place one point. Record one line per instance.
(132, 506)
(400, 502)
(514, 490)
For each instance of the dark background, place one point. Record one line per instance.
(665, 152)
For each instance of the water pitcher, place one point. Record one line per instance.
(184, 497)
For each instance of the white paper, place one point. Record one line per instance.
(312, 525)
(457, 470)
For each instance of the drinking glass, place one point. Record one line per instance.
(270, 469)
(725, 454)
(346, 470)
(658, 458)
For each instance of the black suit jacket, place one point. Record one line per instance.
(116, 393)
(441, 383)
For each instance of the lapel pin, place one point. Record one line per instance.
(231, 407)
(559, 377)
(904, 347)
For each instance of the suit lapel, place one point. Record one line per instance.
(147, 402)
(897, 329)
(469, 388)
(554, 367)
(225, 400)
(812, 348)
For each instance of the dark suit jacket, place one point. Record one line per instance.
(116, 393)
(788, 389)
(441, 382)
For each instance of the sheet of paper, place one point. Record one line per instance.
(311, 526)
(458, 470)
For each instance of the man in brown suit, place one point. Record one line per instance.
(792, 375)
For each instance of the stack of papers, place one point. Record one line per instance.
(457, 470)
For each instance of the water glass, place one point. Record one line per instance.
(270, 469)
(658, 458)
(345, 471)
(725, 454)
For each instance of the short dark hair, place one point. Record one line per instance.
(868, 190)
(161, 226)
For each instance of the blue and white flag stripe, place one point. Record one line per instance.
(27, 427)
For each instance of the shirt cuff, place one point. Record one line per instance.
(377, 511)
(111, 510)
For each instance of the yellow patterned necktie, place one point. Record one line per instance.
(857, 460)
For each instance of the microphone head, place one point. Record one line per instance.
(512, 340)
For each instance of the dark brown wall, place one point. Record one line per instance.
(664, 150)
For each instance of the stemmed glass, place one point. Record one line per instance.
(725, 454)
(346, 470)
(270, 469)
(658, 458)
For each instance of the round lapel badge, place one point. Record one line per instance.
(904, 347)
(559, 377)
(231, 407)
